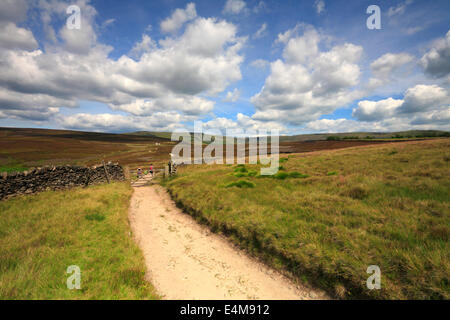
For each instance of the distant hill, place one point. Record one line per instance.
(325, 136)
(366, 135)
(161, 135)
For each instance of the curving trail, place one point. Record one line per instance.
(186, 261)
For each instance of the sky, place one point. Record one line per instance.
(297, 66)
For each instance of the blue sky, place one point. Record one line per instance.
(298, 66)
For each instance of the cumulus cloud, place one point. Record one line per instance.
(146, 45)
(376, 110)
(13, 37)
(13, 10)
(386, 68)
(189, 105)
(243, 122)
(419, 122)
(178, 18)
(436, 62)
(423, 98)
(234, 6)
(177, 74)
(309, 82)
(161, 121)
(421, 105)
(387, 63)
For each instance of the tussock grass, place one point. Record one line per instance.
(41, 235)
(241, 184)
(390, 210)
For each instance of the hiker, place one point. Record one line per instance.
(139, 172)
(151, 169)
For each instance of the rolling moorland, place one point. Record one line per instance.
(328, 215)
(325, 217)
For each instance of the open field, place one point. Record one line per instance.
(21, 149)
(41, 235)
(25, 148)
(328, 215)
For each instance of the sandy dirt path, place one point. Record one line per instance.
(186, 261)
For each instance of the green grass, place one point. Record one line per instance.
(41, 235)
(241, 184)
(381, 208)
(12, 166)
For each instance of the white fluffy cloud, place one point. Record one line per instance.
(384, 66)
(13, 37)
(422, 107)
(436, 62)
(189, 105)
(419, 99)
(376, 110)
(309, 82)
(423, 98)
(178, 18)
(243, 122)
(175, 75)
(167, 121)
(386, 125)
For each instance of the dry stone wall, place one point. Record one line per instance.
(57, 178)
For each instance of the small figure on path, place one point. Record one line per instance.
(139, 172)
(151, 169)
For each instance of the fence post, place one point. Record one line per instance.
(106, 172)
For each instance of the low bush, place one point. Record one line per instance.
(241, 184)
(296, 174)
(281, 175)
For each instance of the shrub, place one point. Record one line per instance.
(333, 138)
(281, 175)
(95, 216)
(296, 174)
(332, 173)
(252, 173)
(283, 160)
(240, 168)
(241, 184)
(240, 174)
(281, 168)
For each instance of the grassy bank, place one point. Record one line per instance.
(41, 235)
(331, 214)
